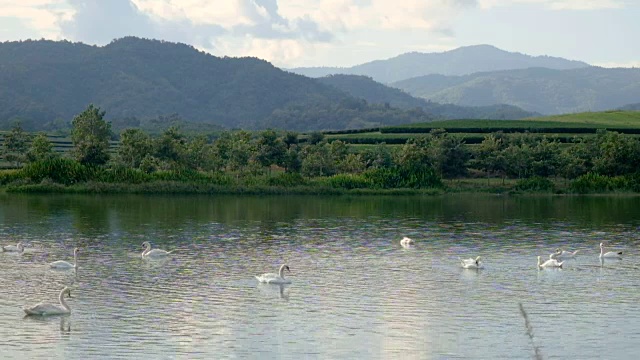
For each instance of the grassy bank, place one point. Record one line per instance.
(587, 185)
(173, 187)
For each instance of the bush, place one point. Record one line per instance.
(535, 183)
(9, 176)
(286, 180)
(59, 170)
(122, 174)
(349, 181)
(590, 183)
(383, 178)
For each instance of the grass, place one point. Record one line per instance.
(611, 119)
(599, 120)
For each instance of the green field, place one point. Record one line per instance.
(564, 127)
(598, 120)
(605, 119)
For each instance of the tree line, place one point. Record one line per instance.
(288, 158)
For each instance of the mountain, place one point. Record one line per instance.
(634, 107)
(376, 93)
(131, 77)
(153, 84)
(546, 91)
(461, 61)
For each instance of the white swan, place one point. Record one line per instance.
(471, 263)
(44, 309)
(406, 242)
(560, 254)
(609, 254)
(278, 278)
(551, 263)
(61, 264)
(14, 248)
(148, 253)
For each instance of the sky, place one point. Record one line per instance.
(300, 33)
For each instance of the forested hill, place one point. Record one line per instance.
(546, 91)
(461, 61)
(41, 81)
(376, 93)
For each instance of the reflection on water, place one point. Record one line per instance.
(355, 292)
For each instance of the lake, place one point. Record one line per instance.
(355, 292)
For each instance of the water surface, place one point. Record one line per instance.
(355, 292)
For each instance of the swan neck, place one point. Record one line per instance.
(281, 271)
(62, 302)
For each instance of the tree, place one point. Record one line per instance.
(90, 136)
(41, 149)
(489, 156)
(617, 154)
(199, 154)
(292, 162)
(317, 160)
(270, 149)
(241, 150)
(315, 138)
(546, 158)
(378, 157)
(170, 147)
(135, 145)
(15, 145)
(449, 155)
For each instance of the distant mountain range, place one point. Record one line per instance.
(461, 61)
(155, 83)
(633, 107)
(542, 90)
(376, 93)
(152, 84)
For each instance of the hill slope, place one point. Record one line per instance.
(45, 80)
(546, 91)
(376, 93)
(460, 61)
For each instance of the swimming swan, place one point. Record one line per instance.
(44, 309)
(560, 254)
(609, 254)
(61, 264)
(14, 248)
(406, 242)
(278, 278)
(148, 253)
(551, 263)
(471, 263)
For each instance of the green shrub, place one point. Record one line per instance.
(590, 183)
(535, 183)
(9, 176)
(286, 180)
(383, 178)
(122, 174)
(349, 181)
(59, 170)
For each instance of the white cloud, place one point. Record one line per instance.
(225, 13)
(559, 4)
(346, 15)
(278, 51)
(42, 16)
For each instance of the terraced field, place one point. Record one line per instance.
(562, 127)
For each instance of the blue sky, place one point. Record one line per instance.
(291, 33)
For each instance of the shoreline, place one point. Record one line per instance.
(457, 186)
